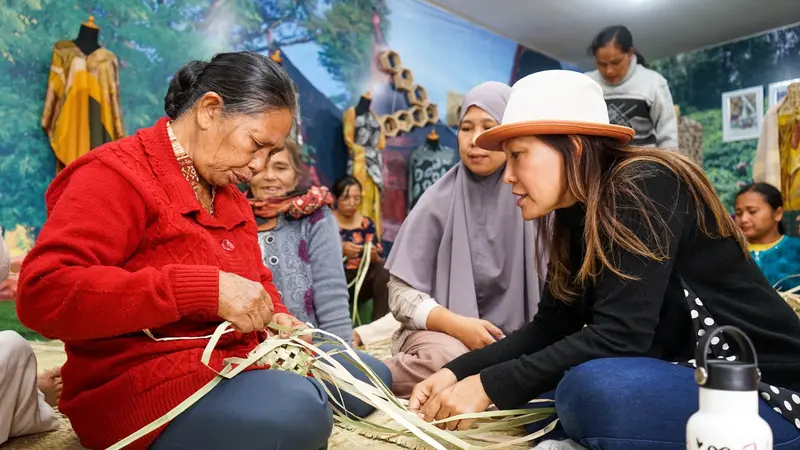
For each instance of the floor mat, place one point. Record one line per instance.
(51, 354)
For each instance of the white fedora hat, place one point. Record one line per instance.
(554, 102)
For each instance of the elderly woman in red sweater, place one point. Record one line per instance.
(151, 233)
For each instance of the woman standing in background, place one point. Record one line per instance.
(637, 97)
(759, 211)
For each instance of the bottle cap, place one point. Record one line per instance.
(740, 374)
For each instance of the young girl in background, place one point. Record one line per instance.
(759, 212)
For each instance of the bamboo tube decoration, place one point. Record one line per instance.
(417, 95)
(419, 117)
(403, 80)
(421, 111)
(389, 61)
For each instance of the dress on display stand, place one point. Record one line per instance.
(429, 162)
(777, 157)
(364, 137)
(789, 145)
(82, 109)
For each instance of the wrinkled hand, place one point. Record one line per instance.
(290, 321)
(475, 333)
(465, 397)
(243, 303)
(351, 250)
(431, 387)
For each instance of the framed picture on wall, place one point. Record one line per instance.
(742, 112)
(778, 90)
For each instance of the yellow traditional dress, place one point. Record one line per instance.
(789, 145)
(365, 139)
(81, 109)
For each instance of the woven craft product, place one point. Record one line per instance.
(294, 354)
(791, 296)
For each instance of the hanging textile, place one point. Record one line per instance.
(365, 139)
(81, 110)
(789, 147)
(429, 162)
(767, 161)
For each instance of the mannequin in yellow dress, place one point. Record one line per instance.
(82, 109)
(364, 137)
(789, 144)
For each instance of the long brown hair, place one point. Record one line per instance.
(600, 176)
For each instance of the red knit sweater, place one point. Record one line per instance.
(127, 246)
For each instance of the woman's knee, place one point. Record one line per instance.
(590, 395)
(321, 415)
(447, 349)
(379, 367)
(13, 347)
(255, 410)
(432, 349)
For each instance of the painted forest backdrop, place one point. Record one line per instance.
(698, 79)
(329, 49)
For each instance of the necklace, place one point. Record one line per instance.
(188, 170)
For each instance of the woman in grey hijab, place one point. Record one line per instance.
(462, 269)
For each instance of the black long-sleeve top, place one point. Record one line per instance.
(648, 316)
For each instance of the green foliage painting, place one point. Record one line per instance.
(698, 80)
(152, 39)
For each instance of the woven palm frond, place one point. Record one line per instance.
(792, 296)
(498, 429)
(793, 300)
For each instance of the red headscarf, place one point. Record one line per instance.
(297, 205)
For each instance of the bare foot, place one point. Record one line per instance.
(50, 385)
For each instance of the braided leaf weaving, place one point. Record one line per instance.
(791, 296)
(287, 351)
(358, 281)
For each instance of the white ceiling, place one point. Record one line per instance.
(563, 29)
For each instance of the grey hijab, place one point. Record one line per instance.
(465, 242)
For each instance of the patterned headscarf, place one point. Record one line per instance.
(296, 204)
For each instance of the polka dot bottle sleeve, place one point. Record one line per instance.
(783, 401)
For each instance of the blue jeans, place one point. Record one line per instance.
(638, 403)
(355, 406)
(264, 410)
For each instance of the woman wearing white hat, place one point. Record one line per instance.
(636, 233)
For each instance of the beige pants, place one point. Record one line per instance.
(422, 354)
(22, 406)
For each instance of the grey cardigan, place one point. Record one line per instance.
(305, 257)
